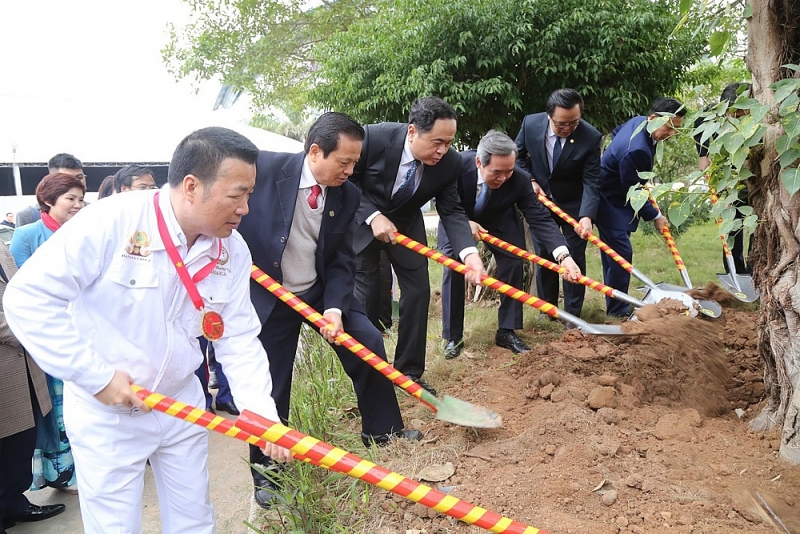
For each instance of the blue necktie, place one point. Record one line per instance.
(482, 200)
(407, 189)
(556, 152)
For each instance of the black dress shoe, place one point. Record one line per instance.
(229, 407)
(510, 340)
(453, 348)
(34, 513)
(266, 490)
(424, 385)
(384, 439)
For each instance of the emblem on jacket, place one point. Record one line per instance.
(139, 244)
(224, 257)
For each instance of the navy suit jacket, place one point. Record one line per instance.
(620, 165)
(266, 230)
(574, 183)
(499, 214)
(375, 176)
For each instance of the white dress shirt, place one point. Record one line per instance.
(101, 294)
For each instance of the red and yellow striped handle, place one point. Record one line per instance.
(347, 341)
(312, 450)
(513, 249)
(725, 248)
(488, 281)
(589, 235)
(673, 248)
(208, 420)
(354, 466)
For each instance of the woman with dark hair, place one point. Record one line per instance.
(60, 197)
(106, 188)
(134, 178)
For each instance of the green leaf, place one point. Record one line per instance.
(717, 41)
(748, 11)
(784, 88)
(638, 197)
(791, 125)
(750, 223)
(788, 157)
(685, 5)
(738, 158)
(791, 180)
(679, 212)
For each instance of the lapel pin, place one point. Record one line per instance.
(331, 214)
(572, 140)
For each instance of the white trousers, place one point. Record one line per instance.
(111, 447)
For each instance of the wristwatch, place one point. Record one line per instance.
(563, 257)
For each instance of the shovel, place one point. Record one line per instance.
(585, 280)
(510, 291)
(741, 285)
(710, 308)
(654, 293)
(448, 409)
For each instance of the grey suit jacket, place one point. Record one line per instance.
(16, 413)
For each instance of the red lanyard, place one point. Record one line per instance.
(189, 282)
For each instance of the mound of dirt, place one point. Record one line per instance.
(633, 433)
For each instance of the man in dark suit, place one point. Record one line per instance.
(572, 180)
(490, 188)
(402, 167)
(300, 230)
(622, 161)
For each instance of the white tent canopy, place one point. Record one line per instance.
(93, 132)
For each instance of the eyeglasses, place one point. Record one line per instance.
(568, 124)
(144, 187)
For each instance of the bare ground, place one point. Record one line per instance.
(611, 434)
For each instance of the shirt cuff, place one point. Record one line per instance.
(560, 250)
(658, 214)
(466, 252)
(371, 218)
(334, 310)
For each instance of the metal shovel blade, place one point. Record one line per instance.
(741, 285)
(603, 329)
(456, 411)
(709, 308)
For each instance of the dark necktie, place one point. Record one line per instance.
(407, 189)
(312, 198)
(482, 200)
(556, 152)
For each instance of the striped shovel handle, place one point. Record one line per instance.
(524, 254)
(589, 235)
(347, 341)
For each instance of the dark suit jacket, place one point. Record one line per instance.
(620, 166)
(266, 230)
(575, 181)
(375, 176)
(499, 214)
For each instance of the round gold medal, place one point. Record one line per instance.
(212, 326)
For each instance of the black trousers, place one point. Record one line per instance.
(377, 401)
(509, 270)
(16, 475)
(415, 294)
(548, 282)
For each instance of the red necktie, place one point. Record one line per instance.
(312, 198)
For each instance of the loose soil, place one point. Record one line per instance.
(635, 433)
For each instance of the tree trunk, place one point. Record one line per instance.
(773, 41)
